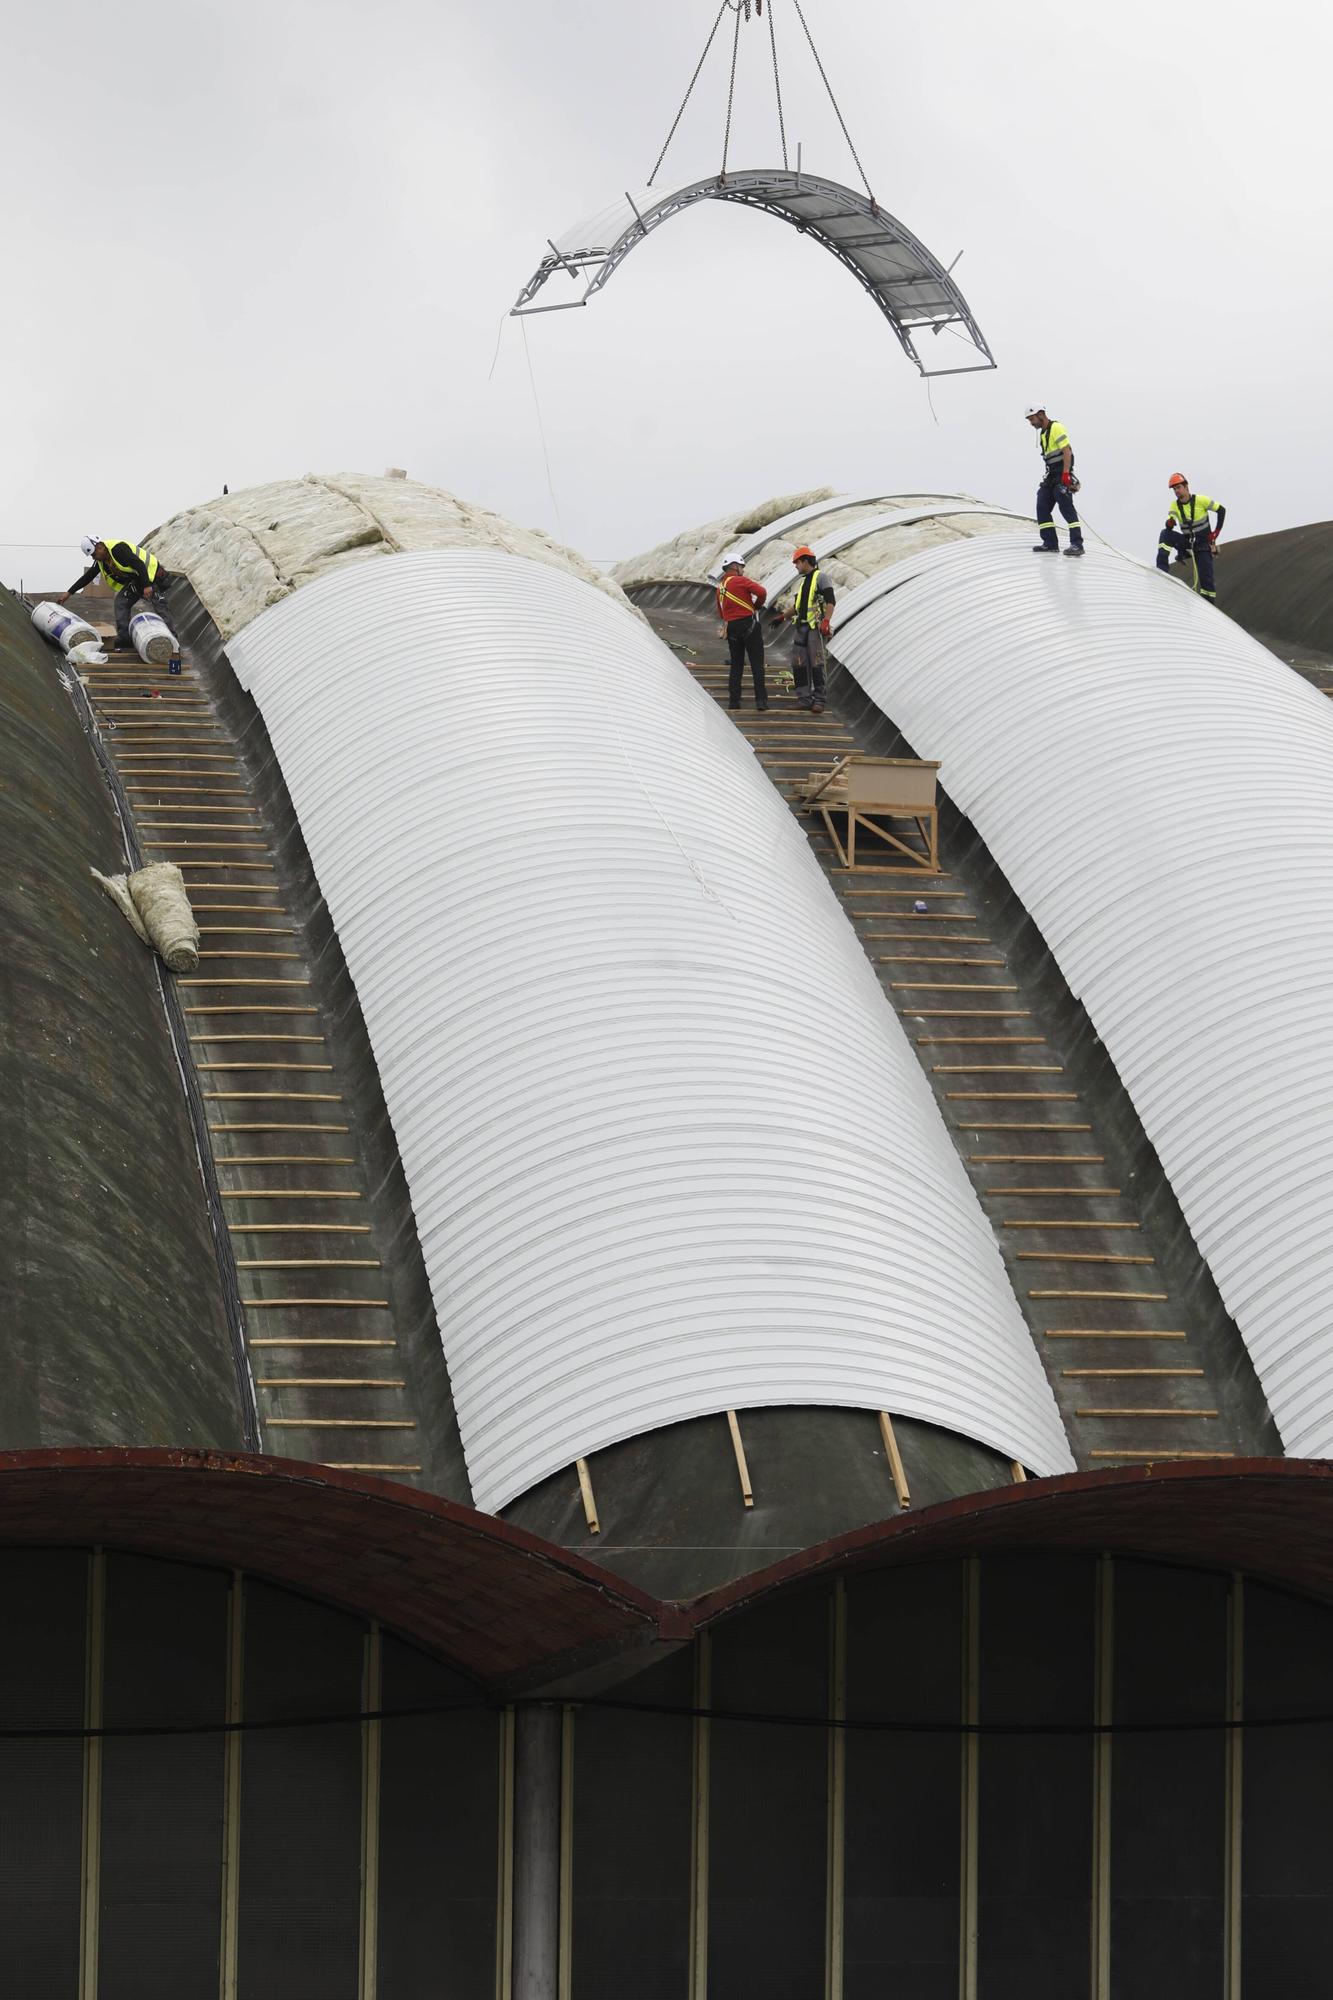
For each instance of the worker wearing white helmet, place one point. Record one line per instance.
(1058, 485)
(130, 572)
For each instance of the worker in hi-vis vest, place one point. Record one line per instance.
(131, 572)
(809, 615)
(1190, 534)
(739, 601)
(1058, 485)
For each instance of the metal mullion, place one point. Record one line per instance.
(234, 1698)
(94, 1710)
(372, 1691)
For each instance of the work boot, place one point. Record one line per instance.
(1045, 549)
(733, 704)
(1074, 549)
(761, 706)
(816, 708)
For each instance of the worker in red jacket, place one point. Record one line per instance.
(739, 601)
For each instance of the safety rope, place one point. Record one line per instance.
(541, 429)
(777, 81)
(800, 14)
(731, 90)
(689, 93)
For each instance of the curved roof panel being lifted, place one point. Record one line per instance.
(912, 288)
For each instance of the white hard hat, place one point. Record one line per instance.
(1035, 410)
(727, 561)
(88, 544)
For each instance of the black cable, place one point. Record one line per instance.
(777, 81)
(693, 80)
(800, 12)
(731, 92)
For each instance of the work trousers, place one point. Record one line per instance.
(807, 664)
(127, 602)
(1185, 546)
(745, 641)
(1050, 495)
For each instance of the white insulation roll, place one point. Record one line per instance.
(152, 638)
(64, 628)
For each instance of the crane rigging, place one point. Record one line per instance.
(911, 288)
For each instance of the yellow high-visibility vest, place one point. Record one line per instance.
(1052, 442)
(814, 603)
(1192, 518)
(118, 578)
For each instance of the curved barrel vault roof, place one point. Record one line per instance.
(911, 287)
(1158, 790)
(668, 1147)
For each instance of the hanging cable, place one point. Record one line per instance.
(685, 100)
(541, 430)
(731, 92)
(777, 81)
(800, 14)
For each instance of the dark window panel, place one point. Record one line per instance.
(166, 1661)
(439, 1833)
(300, 1803)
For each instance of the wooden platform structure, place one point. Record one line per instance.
(870, 793)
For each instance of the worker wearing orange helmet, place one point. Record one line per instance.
(810, 620)
(1189, 533)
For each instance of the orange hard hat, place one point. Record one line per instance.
(803, 554)
(1177, 479)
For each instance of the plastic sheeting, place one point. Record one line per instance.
(1158, 789)
(248, 550)
(152, 638)
(63, 628)
(668, 1147)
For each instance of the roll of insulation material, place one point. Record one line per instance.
(64, 628)
(152, 638)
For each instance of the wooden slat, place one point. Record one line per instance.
(1143, 1411)
(1151, 1298)
(339, 1424)
(742, 1464)
(1080, 1257)
(586, 1495)
(1109, 1332)
(268, 1305)
(889, 1439)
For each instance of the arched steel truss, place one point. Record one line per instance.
(912, 288)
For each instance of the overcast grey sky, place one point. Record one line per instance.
(277, 238)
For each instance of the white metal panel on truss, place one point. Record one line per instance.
(668, 1147)
(913, 290)
(1158, 789)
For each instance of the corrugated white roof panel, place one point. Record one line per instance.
(668, 1147)
(1158, 789)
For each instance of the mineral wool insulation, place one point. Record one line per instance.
(246, 551)
(694, 555)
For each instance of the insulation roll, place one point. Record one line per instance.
(152, 638)
(64, 628)
(155, 902)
